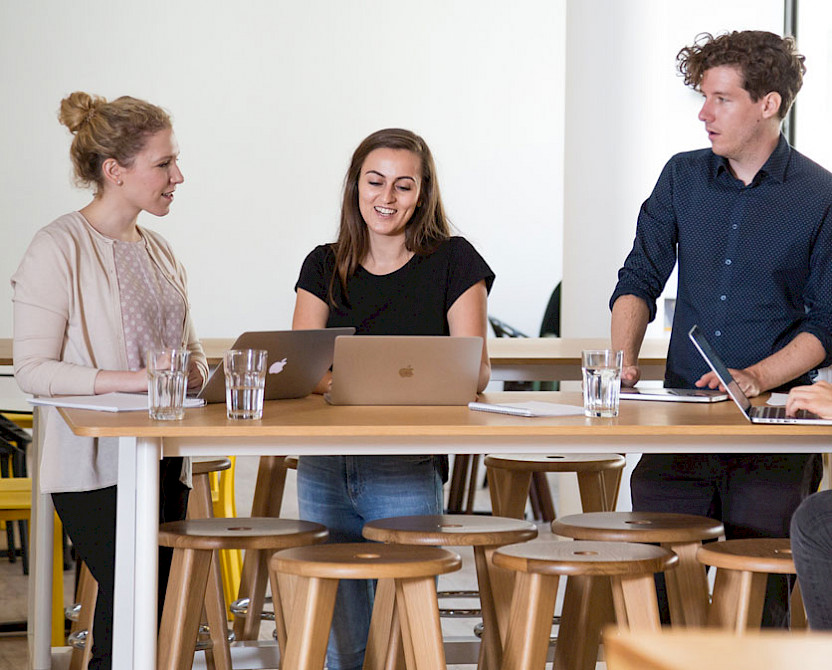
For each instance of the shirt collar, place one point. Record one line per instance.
(774, 167)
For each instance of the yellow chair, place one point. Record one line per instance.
(16, 505)
(231, 560)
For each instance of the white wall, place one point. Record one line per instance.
(269, 99)
(627, 113)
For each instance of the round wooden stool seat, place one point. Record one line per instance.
(457, 530)
(742, 572)
(195, 543)
(511, 476)
(638, 527)
(204, 467)
(585, 558)
(761, 554)
(364, 560)
(484, 534)
(240, 533)
(595, 568)
(409, 572)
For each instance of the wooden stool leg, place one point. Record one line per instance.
(216, 615)
(491, 653)
(530, 622)
(587, 608)
(456, 490)
(612, 484)
(384, 644)
(310, 623)
(509, 490)
(541, 496)
(687, 586)
(268, 497)
(502, 590)
(419, 616)
(87, 595)
(797, 609)
(738, 600)
(593, 492)
(472, 483)
(183, 608)
(636, 605)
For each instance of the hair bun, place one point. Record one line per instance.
(78, 108)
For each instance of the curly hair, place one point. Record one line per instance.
(767, 62)
(118, 129)
(427, 228)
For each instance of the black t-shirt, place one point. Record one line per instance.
(413, 300)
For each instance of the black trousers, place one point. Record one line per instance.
(90, 521)
(754, 495)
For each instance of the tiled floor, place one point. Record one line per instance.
(13, 648)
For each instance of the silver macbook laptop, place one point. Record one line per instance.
(298, 359)
(761, 414)
(405, 370)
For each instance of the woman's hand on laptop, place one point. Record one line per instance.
(816, 398)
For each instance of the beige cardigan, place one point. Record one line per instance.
(67, 327)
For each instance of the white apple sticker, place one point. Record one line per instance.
(277, 368)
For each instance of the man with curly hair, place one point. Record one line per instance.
(749, 222)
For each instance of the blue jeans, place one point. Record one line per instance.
(811, 536)
(345, 492)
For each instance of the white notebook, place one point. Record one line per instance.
(531, 408)
(106, 402)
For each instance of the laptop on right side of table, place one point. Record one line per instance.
(755, 414)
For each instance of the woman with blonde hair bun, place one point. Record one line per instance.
(94, 292)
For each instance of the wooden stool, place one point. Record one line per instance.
(485, 534)
(743, 567)
(268, 498)
(199, 507)
(629, 567)
(687, 586)
(195, 543)
(410, 570)
(510, 478)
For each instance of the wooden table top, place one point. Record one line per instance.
(313, 417)
(680, 649)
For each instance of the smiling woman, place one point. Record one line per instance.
(395, 270)
(93, 293)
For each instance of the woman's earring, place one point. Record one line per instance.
(120, 183)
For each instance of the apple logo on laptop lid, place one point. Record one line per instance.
(277, 368)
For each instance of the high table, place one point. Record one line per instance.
(310, 426)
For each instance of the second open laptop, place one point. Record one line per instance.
(755, 414)
(405, 370)
(298, 359)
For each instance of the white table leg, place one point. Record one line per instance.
(40, 564)
(137, 536)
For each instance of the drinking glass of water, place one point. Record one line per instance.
(602, 381)
(167, 382)
(245, 382)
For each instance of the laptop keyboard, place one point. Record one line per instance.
(779, 413)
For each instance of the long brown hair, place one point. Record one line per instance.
(427, 228)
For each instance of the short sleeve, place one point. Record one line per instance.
(467, 268)
(316, 271)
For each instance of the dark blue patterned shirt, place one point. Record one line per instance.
(755, 262)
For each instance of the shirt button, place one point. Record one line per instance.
(734, 226)
(722, 297)
(727, 261)
(718, 333)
